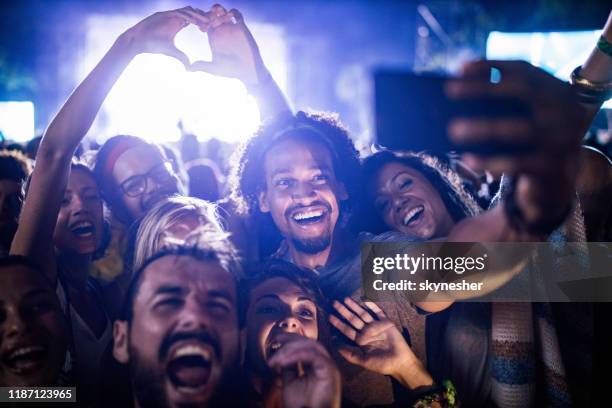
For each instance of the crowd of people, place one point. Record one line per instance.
(122, 276)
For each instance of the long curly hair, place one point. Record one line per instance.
(459, 203)
(247, 178)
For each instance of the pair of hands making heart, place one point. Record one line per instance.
(234, 51)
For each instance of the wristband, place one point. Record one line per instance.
(590, 91)
(604, 46)
(443, 396)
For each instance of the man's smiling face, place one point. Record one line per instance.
(302, 193)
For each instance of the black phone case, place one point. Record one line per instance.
(412, 113)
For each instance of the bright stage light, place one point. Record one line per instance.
(17, 120)
(155, 92)
(556, 52)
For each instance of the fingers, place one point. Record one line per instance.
(231, 17)
(204, 66)
(344, 328)
(510, 165)
(218, 10)
(218, 16)
(368, 334)
(358, 315)
(174, 52)
(377, 310)
(360, 311)
(200, 18)
(350, 317)
(302, 350)
(362, 328)
(186, 16)
(237, 15)
(508, 130)
(519, 79)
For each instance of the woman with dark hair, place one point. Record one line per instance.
(473, 344)
(33, 331)
(289, 347)
(62, 226)
(286, 331)
(14, 170)
(414, 193)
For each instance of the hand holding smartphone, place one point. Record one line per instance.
(413, 113)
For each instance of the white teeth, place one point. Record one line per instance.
(275, 346)
(191, 350)
(307, 214)
(412, 213)
(25, 350)
(82, 224)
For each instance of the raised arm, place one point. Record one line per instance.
(544, 177)
(235, 54)
(598, 69)
(34, 237)
(545, 180)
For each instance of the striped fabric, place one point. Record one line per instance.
(525, 346)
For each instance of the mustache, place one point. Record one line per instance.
(202, 336)
(300, 206)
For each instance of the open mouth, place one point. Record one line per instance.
(83, 229)
(26, 359)
(308, 216)
(272, 348)
(413, 216)
(189, 367)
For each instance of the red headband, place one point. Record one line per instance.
(119, 149)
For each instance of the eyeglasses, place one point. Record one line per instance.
(136, 185)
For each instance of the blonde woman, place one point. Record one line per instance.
(169, 221)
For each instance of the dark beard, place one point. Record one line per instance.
(147, 385)
(312, 245)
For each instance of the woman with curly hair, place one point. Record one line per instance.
(415, 194)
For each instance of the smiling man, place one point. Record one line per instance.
(179, 334)
(133, 176)
(300, 171)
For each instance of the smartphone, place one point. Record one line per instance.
(413, 113)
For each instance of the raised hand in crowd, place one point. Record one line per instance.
(50, 177)
(155, 34)
(597, 71)
(235, 54)
(379, 345)
(551, 134)
(310, 377)
(234, 50)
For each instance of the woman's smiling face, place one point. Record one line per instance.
(407, 202)
(277, 306)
